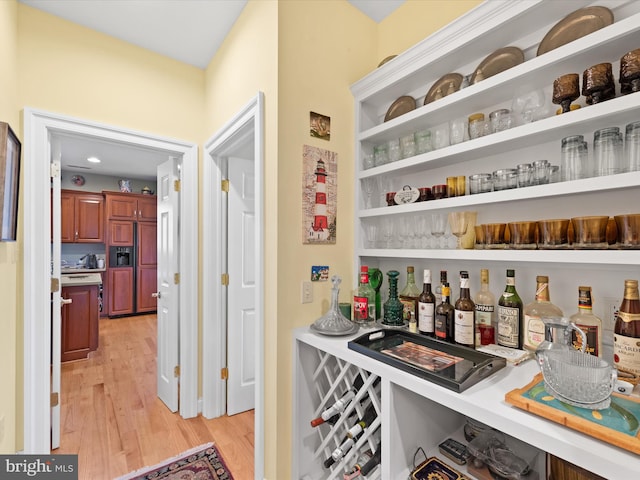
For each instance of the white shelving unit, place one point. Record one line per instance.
(414, 412)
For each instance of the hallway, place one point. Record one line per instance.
(112, 418)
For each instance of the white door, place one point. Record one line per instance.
(168, 296)
(56, 305)
(241, 265)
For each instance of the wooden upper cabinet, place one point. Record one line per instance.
(82, 217)
(130, 206)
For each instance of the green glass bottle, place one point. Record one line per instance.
(375, 280)
(510, 315)
(393, 308)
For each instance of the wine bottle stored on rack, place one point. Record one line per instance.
(373, 462)
(340, 451)
(339, 405)
(368, 417)
(365, 465)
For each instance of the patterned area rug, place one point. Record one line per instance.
(200, 463)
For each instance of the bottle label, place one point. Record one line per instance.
(628, 317)
(441, 326)
(360, 309)
(484, 314)
(464, 283)
(626, 353)
(408, 308)
(592, 332)
(364, 278)
(425, 317)
(508, 326)
(533, 332)
(540, 291)
(463, 327)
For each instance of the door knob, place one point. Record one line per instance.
(66, 301)
(156, 295)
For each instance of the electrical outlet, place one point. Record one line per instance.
(611, 306)
(306, 292)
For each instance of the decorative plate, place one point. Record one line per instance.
(499, 61)
(445, 85)
(386, 59)
(575, 25)
(401, 106)
(78, 180)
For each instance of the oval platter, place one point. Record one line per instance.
(575, 25)
(401, 106)
(386, 59)
(499, 61)
(450, 81)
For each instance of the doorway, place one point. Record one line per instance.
(241, 138)
(39, 128)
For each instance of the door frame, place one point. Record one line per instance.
(247, 125)
(38, 129)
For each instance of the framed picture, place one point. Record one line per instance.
(10, 149)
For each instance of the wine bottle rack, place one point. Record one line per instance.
(330, 379)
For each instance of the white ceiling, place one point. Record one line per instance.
(190, 31)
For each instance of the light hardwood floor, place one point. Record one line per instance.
(112, 418)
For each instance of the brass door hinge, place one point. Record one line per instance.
(224, 373)
(176, 278)
(225, 279)
(55, 399)
(176, 185)
(225, 185)
(55, 284)
(176, 371)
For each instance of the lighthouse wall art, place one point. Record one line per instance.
(319, 195)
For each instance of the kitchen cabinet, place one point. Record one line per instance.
(415, 412)
(131, 206)
(79, 321)
(82, 217)
(121, 291)
(147, 264)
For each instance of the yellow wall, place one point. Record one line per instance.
(9, 252)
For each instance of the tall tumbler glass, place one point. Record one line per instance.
(607, 151)
(632, 147)
(574, 158)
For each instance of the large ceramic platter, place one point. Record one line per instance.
(499, 61)
(401, 106)
(575, 25)
(447, 83)
(386, 59)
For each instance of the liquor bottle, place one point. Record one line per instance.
(409, 297)
(534, 312)
(364, 302)
(485, 305)
(589, 323)
(444, 316)
(464, 331)
(393, 307)
(510, 315)
(426, 307)
(339, 405)
(443, 280)
(626, 332)
(367, 418)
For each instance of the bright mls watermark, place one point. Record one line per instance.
(52, 467)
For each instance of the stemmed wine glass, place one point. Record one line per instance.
(438, 225)
(371, 232)
(368, 185)
(387, 232)
(458, 223)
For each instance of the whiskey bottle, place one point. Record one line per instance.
(626, 334)
(444, 317)
(589, 323)
(534, 312)
(426, 307)
(409, 297)
(485, 305)
(464, 331)
(364, 301)
(510, 315)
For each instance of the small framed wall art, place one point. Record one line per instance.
(10, 149)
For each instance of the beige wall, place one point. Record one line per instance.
(9, 251)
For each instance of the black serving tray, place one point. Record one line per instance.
(451, 366)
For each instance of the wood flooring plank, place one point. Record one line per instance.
(113, 420)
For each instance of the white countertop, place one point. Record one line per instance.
(67, 270)
(77, 279)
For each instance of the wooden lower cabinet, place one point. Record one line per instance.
(79, 322)
(147, 280)
(120, 291)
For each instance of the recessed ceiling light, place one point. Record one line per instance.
(93, 160)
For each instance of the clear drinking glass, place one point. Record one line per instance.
(540, 170)
(501, 120)
(380, 154)
(441, 136)
(423, 141)
(408, 146)
(393, 147)
(476, 125)
(368, 161)
(574, 158)
(632, 147)
(607, 151)
(457, 130)
(525, 175)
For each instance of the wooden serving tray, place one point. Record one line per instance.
(618, 425)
